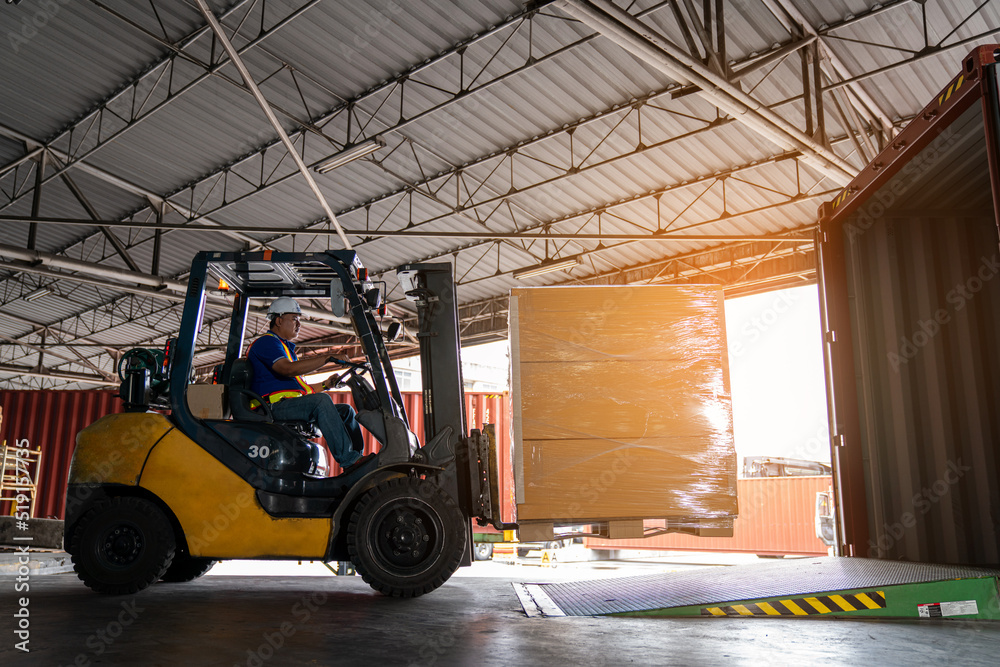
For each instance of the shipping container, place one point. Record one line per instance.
(777, 517)
(51, 420)
(910, 300)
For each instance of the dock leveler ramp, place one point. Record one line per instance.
(856, 587)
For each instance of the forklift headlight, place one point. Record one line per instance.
(394, 331)
(373, 297)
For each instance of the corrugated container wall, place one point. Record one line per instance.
(51, 420)
(777, 516)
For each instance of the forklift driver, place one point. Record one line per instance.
(277, 372)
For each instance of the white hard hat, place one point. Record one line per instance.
(282, 305)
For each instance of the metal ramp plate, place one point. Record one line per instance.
(800, 587)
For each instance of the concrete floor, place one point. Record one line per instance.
(321, 620)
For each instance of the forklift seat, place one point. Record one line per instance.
(241, 398)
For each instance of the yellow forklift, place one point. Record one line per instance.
(160, 492)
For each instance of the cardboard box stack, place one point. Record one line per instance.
(621, 405)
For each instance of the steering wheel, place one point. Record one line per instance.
(341, 380)
(146, 358)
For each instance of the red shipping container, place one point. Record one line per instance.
(777, 516)
(51, 420)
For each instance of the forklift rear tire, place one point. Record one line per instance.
(406, 537)
(483, 550)
(122, 545)
(186, 568)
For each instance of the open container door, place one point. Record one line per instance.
(910, 285)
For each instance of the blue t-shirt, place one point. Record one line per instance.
(262, 354)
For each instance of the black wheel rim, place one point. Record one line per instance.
(409, 536)
(121, 545)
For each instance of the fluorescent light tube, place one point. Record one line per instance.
(37, 294)
(546, 267)
(349, 154)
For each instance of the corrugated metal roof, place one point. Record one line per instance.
(341, 50)
(60, 59)
(9, 150)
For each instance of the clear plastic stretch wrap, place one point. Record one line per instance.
(621, 405)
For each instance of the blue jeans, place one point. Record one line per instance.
(337, 421)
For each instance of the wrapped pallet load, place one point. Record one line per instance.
(621, 409)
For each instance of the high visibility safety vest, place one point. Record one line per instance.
(282, 394)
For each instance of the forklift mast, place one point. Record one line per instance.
(432, 289)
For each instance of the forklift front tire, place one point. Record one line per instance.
(122, 545)
(406, 537)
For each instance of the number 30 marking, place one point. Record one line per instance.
(262, 451)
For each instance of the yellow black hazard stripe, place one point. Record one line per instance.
(841, 197)
(821, 604)
(946, 95)
(942, 98)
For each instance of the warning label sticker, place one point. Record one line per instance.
(943, 609)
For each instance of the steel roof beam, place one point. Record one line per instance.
(777, 7)
(418, 186)
(116, 242)
(140, 114)
(929, 52)
(120, 278)
(265, 106)
(713, 57)
(107, 177)
(214, 303)
(401, 233)
(392, 121)
(151, 291)
(350, 107)
(604, 248)
(30, 154)
(61, 332)
(230, 201)
(149, 76)
(639, 39)
(166, 294)
(61, 375)
(49, 348)
(76, 157)
(706, 179)
(710, 260)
